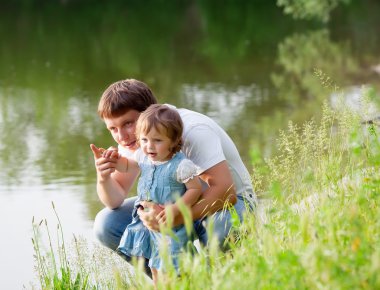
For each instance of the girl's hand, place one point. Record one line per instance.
(111, 153)
(148, 215)
(168, 215)
(104, 165)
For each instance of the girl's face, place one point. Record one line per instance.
(156, 145)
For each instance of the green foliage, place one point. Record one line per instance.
(55, 272)
(310, 9)
(317, 225)
(64, 267)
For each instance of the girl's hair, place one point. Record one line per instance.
(165, 120)
(125, 95)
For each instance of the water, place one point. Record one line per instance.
(247, 66)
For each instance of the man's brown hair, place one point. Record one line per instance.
(125, 95)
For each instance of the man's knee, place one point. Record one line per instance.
(219, 227)
(109, 225)
(100, 226)
(104, 229)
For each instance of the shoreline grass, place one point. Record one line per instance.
(317, 225)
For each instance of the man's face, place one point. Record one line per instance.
(123, 129)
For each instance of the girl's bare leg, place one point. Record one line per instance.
(154, 276)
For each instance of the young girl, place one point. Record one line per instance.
(165, 175)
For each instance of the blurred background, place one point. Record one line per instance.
(250, 65)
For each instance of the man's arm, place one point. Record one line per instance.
(220, 193)
(112, 186)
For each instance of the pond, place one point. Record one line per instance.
(244, 63)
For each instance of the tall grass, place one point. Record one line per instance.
(77, 265)
(317, 225)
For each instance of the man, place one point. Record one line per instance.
(226, 179)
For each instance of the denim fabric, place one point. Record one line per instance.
(109, 225)
(158, 183)
(221, 223)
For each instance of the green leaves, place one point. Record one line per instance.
(310, 9)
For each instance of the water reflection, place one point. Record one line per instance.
(247, 66)
(361, 99)
(298, 58)
(221, 103)
(44, 135)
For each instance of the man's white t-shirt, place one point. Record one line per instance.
(207, 144)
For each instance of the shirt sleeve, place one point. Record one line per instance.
(186, 170)
(138, 156)
(203, 146)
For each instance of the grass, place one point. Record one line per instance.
(317, 225)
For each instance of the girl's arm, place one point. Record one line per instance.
(193, 192)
